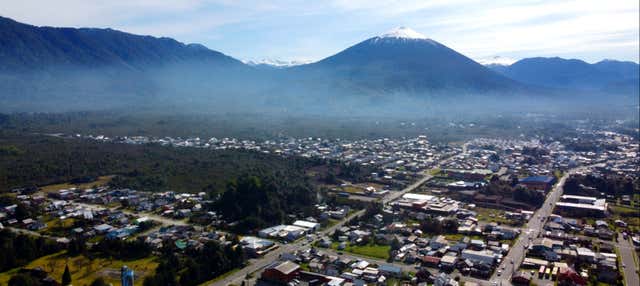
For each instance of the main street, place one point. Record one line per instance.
(531, 230)
(626, 249)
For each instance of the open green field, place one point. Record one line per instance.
(84, 270)
(491, 215)
(370, 250)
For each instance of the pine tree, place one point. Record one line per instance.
(66, 276)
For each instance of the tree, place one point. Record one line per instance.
(99, 282)
(22, 279)
(66, 276)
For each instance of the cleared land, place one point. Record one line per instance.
(84, 270)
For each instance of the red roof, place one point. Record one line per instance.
(431, 259)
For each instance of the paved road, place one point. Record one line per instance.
(627, 251)
(257, 264)
(531, 230)
(30, 232)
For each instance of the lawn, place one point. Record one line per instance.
(85, 270)
(459, 236)
(491, 215)
(370, 250)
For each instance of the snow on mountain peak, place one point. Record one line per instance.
(277, 63)
(404, 33)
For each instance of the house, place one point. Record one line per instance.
(430, 261)
(586, 254)
(443, 279)
(102, 229)
(569, 276)
(448, 261)
(438, 242)
(522, 278)
(479, 256)
(390, 270)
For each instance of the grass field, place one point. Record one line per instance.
(101, 181)
(371, 250)
(491, 215)
(84, 270)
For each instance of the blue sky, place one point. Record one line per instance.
(311, 30)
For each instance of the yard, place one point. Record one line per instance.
(84, 270)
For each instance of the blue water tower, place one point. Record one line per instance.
(126, 276)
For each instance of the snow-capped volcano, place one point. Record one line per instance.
(405, 59)
(403, 33)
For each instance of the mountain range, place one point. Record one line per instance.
(573, 74)
(40, 66)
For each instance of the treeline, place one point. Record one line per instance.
(589, 185)
(41, 160)
(262, 199)
(19, 249)
(196, 266)
(110, 248)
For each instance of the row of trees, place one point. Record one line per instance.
(615, 185)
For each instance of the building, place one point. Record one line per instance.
(255, 246)
(538, 182)
(569, 276)
(481, 256)
(473, 175)
(521, 278)
(578, 206)
(281, 272)
(311, 226)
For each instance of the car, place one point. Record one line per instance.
(624, 265)
(340, 253)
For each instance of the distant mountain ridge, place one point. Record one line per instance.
(573, 74)
(26, 47)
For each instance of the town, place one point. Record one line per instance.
(484, 212)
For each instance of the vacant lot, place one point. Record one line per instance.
(85, 270)
(371, 250)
